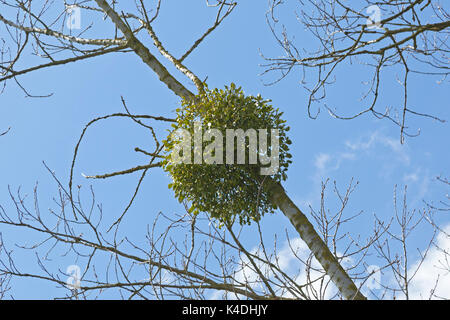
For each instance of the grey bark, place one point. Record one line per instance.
(314, 242)
(145, 54)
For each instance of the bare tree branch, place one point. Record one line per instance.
(348, 33)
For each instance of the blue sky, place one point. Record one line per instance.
(365, 149)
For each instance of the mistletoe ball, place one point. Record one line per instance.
(221, 149)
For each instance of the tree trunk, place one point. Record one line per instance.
(145, 54)
(315, 243)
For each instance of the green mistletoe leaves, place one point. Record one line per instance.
(222, 147)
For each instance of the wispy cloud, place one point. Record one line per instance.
(376, 145)
(382, 155)
(377, 139)
(432, 279)
(289, 258)
(410, 177)
(321, 161)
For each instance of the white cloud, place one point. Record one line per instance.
(411, 177)
(387, 156)
(357, 146)
(433, 277)
(419, 182)
(246, 273)
(325, 163)
(288, 259)
(378, 138)
(321, 161)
